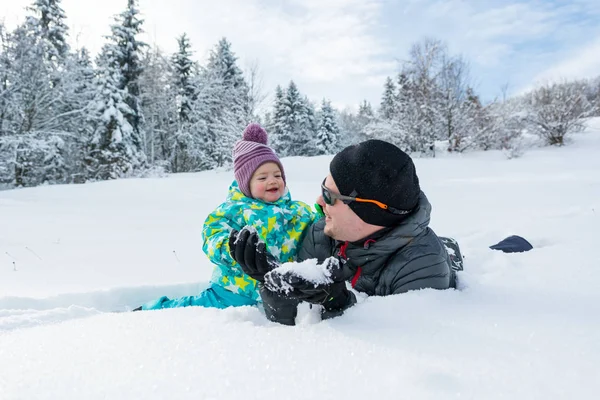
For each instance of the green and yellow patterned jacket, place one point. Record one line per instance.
(281, 225)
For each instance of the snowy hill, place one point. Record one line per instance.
(523, 326)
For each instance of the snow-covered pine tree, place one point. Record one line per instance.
(364, 117)
(347, 122)
(327, 141)
(126, 50)
(53, 168)
(365, 114)
(7, 89)
(229, 104)
(208, 112)
(114, 152)
(352, 126)
(267, 123)
(79, 91)
(292, 109)
(183, 70)
(9, 109)
(159, 106)
(278, 120)
(389, 123)
(594, 95)
(51, 28)
(188, 151)
(389, 102)
(306, 130)
(36, 110)
(65, 131)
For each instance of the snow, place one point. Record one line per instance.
(308, 270)
(521, 326)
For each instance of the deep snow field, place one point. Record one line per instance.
(522, 326)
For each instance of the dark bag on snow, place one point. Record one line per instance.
(512, 244)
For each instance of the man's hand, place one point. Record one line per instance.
(251, 253)
(331, 293)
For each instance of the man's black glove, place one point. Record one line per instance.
(332, 293)
(251, 253)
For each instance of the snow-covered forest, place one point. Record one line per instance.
(67, 116)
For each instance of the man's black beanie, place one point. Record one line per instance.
(377, 170)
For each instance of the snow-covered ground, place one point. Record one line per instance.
(523, 326)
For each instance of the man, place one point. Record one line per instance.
(375, 227)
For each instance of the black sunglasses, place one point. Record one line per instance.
(330, 199)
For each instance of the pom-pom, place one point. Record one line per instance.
(255, 133)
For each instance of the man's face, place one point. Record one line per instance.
(341, 223)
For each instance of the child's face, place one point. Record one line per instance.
(267, 183)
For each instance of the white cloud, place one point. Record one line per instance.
(486, 33)
(319, 44)
(582, 63)
(506, 41)
(344, 49)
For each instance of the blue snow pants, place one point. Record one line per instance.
(215, 296)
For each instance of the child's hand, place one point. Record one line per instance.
(251, 253)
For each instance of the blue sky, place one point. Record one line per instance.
(344, 49)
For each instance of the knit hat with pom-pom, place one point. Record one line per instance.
(250, 153)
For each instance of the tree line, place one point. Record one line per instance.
(133, 110)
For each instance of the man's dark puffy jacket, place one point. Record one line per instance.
(394, 260)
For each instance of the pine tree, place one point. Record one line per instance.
(268, 124)
(350, 129)
(159, 106)
(126, 49)
(52, 29)
(54, 167)
(390, 122)
(223, 62)
(228, 102)
(79, 92)
(7, 89)
(294, 123)
(35, 106)
(48, 111)
(306, 130)
(276, 132)
(364, 117)
(328, 132)
(389, 105)
(188, 151)
(114, 150)
(183, 70)
(211, 120)
(62, 130)
(293, 108)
